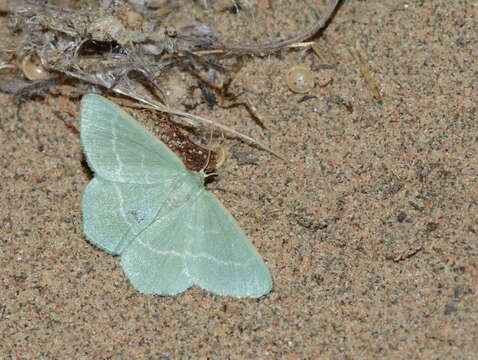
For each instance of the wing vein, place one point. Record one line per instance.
(212, 258)
(119, 170)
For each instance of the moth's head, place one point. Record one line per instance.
(205, 177)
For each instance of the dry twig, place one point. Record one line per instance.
(106, 47)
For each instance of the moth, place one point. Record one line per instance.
(144, 205)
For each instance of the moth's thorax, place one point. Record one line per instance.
(184, 190)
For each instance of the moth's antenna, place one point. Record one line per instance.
(209, 151)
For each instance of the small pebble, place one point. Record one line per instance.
(300, 79)
(33, 69)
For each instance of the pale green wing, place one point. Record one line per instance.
(196, 244)
(220, 258)
(119, 149)
(155, 261)
(114, 213)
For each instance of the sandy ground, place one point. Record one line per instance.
(369, 230)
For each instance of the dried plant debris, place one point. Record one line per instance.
(367, 75)
(126, 47)
(195, 157)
